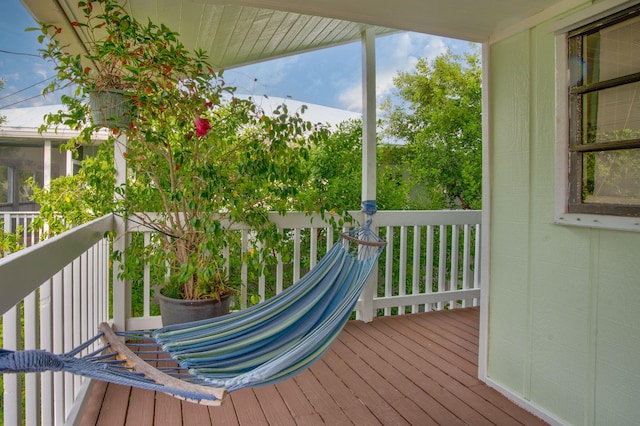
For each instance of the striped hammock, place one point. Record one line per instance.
(264, 344)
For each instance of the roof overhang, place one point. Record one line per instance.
(240, 32)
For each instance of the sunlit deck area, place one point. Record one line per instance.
(416, 369)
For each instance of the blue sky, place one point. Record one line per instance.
(329, 77)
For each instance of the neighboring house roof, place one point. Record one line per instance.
(314, 113)
(29, 117)
(25, 122)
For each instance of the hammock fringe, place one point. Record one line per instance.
(137, 364)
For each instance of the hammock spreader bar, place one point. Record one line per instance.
(261, 345)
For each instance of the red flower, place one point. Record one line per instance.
(202, 126)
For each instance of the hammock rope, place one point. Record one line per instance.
(261, 345)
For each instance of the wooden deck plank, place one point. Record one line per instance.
(434, 381)
(431, 341)
(447, 344)
(142, 405)
(386, 363)
(275, 410)
(327, 408)
(294, 398)
(415, 369)
(379, 407)
(168, 411)
(499, 410)
(195, 414)
(498, 400)
(248, 409)
(464, 319)
(409, 345)
(224, 414)
(387, 381)
(94, 403)
(451, 330)
(114, 407)
(345, 397)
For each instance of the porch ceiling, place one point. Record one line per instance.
(239, 32)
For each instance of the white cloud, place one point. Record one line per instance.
(394, 53)
(43, 70)
(351, 98)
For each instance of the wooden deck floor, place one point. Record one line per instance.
(412, 370)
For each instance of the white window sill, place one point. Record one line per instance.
(599, 221)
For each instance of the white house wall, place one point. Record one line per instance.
(564, 302)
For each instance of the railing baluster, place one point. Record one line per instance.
(58, 345)
(476, 264)
(279, 273)
(84, 296)
(262, 281)
(296, 254)
(402, 273)
(453, 268)
(68, 334)
(428, 265)
(46, 343)
(442, 263)
(415, 276)
(77, 320)
(313, 247)
(146, 281)
(90, 283)
(465, 262)
(329, 239)
(388, 276)
(31, 380)
(244, 274)
(12, 397)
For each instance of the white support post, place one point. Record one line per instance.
(121, 305)
(368, 115)
(69, 163)
(368, 153)
(46, 169)
(484, 273)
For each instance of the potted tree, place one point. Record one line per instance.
(201, 160)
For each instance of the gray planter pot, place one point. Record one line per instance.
(178, 311)
(110, 109)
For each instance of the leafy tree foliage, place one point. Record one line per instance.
(439, 117)
(10, 242)
(73, 200)
(336, 172)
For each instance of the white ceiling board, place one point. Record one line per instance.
(239, 32)
(473, 20)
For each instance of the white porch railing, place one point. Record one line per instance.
(431, 262)
(54, 295)
(14, 221)
(437, 254)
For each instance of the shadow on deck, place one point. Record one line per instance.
(416, 369)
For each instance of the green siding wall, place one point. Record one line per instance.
(564, 303)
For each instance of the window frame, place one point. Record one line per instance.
(568, 154)
(10, 187)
